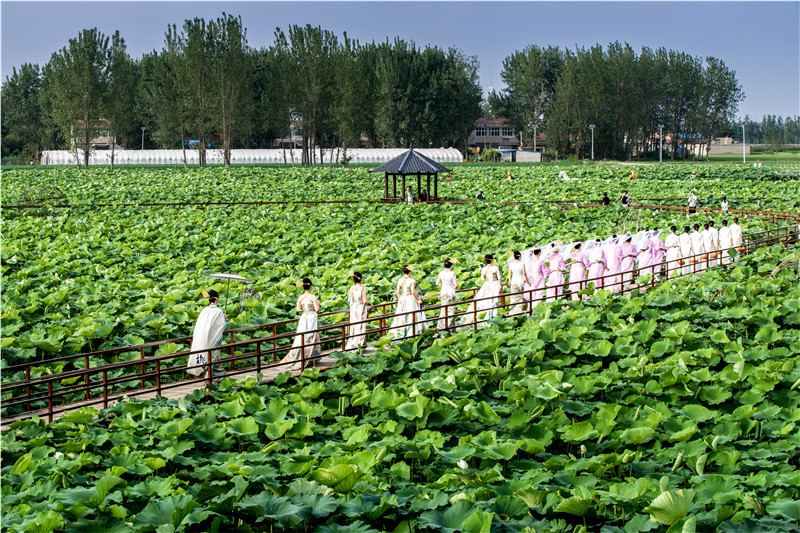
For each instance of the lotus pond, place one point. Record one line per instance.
(675, 410)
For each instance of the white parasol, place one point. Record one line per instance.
(229, 277)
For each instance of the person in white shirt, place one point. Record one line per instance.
(687, 251)
(715, 241)
(736, 235)
(692, 203)
(724, 204)
(699, 250)
(673, 245)
(518, 277)
(207, 335)
(449, 283)
(708, 245)
(725, 242)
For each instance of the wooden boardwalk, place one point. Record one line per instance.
(171, 391)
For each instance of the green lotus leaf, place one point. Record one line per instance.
(669, 507)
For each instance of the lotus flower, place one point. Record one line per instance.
(462, 464)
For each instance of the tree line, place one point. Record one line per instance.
(772, 129)
(207, 85)
(625, 95)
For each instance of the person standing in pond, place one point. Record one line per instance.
(306, 343)
(449, 283)
(692, 203)
(577, 271)
(624, 199)
(606, 201)
(724, 205)
(357, 298)
(480, 196)
(409, 320)
(207, 334)
(518, 277)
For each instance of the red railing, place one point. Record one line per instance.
(41, 394)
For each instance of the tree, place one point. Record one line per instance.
(120, 97)
(231, 71)
(775, 142)
(22, 120)
(78, 76)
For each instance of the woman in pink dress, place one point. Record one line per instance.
(555, 270)
(628, 260)
(538, 273)
(613, 252)
(597, 264)
(577, 271)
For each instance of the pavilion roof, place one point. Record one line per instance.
(411, 162)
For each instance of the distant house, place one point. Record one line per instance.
(102, 139)
(493, 133)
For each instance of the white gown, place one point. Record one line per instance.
(517, 281)
(207, 334)
(736, 237)
(673, 255)
(357, 298)
(409, 320)
(725, 242)
(447, 295)
(308, 322)
(490, 289)
(698, 249)
(687, 251)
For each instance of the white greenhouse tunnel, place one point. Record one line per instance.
(242, 157)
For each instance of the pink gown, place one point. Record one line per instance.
(645, 257)
(626, 266)
(537, 276)
(658, 257)
(577, 273)
(555, 276)
(614, 262)
(597, 267)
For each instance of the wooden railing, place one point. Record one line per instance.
(48, 395)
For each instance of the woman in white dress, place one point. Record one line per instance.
(207, 334)
(448, 282)
(519, 278)
(357, 298)
(408, 320)
(307, 343)
(491, 289)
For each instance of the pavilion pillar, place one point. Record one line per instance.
(386, 185)
(419, 186)
(436, 187)
(403, 194)
(428, 197)
(394, 185)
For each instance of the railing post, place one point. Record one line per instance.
(86, 376)
(28, 388)
(141, 366)
(274, 344)
(233, 352)
(258, 357)
(49, 401)
(343, 338)
(105, 389)
(158, 378)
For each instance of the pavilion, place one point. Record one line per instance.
(410, 163)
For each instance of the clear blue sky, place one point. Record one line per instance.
(759, 40)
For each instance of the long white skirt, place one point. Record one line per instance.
(358, 312)
(517, 300)
(446, 320)
(408, 312)
(673, 267)
(485, 309)
(308, 322)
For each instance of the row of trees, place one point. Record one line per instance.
(771, 130)
(206, 84)
(625, 95)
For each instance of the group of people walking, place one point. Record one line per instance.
(539, 274)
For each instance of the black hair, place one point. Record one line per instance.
(705, 226)
(578, 246)
(448, 263)
(537, 251)
(725, 222)
(628, 239)
(697, 227)
(357, 277)
(614, 236)
(406, 270)
(724, 198)
(686, 229)
(672, 228)
(517, 255)
(306, 284)
(711, 223)
(735, 220)
(489, 258)
(213, 296)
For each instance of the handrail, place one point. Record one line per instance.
(771, 236)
